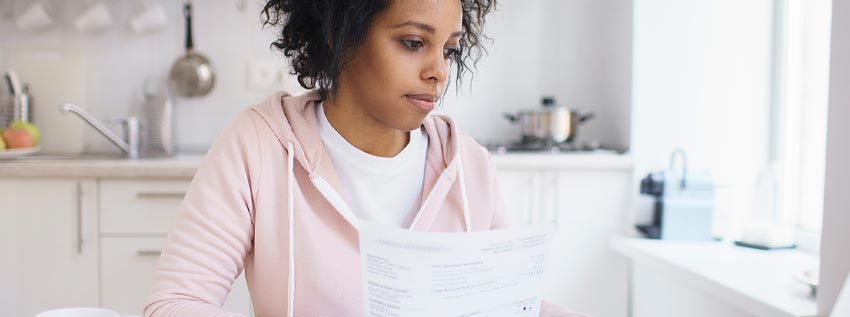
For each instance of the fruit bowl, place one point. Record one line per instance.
(13, 153)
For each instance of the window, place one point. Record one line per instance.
(800, 94)
(740, 85)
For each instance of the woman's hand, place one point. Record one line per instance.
(548, 309)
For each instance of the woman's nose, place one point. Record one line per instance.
(436, 68)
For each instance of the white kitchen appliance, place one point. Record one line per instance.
(684, 203)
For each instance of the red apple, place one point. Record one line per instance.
(17, 138)
(31, 129)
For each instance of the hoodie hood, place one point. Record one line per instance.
(293, 119)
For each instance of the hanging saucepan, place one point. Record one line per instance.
(191, 75)
(551, 124)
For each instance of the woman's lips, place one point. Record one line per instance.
(424, 103)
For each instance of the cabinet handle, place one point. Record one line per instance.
(149, 253)
(160, 195)
(79, 218)
(532, 204)
(556, 197)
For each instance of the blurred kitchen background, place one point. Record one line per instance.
(713, 131)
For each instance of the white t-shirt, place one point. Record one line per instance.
(385, 190)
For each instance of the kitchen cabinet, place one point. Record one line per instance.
(519, 194)
(588, 206)
(139, 207)
(48, 233)
(127, 266)
(87, 242)
(136, 216)
(125, 218)
(592, 208)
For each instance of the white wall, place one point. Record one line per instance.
(506, 80)
(835, 255)
(118, 61)
(577, 50)
(589, 65)
(701, 82)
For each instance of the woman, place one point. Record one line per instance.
(281, 192)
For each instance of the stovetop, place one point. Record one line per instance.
(546, 147)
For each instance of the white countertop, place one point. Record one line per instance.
(182, 166)
(755, 281)
(185, 165)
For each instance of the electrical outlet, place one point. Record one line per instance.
(267, 75)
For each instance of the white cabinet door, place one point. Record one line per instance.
(136, 215)
(531, 196)
(48, 234)
(519, 194)
(583, 273)
(142, 207)
(127, 267)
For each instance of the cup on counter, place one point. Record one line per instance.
(95, 17)
(36, 17)
(152, 17)
(79, 312)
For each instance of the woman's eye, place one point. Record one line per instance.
(452, 53)
(412, 44)
(448, 53)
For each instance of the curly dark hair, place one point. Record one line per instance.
(320, 36)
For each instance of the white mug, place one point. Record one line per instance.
(79, 312)
(94, 18)
(36, 17)
(152, 18)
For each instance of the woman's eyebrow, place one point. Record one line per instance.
(423, 27)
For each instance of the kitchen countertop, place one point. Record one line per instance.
(585, 161)
(183, 166)
(756, 281)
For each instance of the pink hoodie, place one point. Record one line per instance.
(266, 199)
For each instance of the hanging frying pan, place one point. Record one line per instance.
(191, 75)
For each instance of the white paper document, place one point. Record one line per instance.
(481, 273)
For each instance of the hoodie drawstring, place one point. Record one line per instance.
(465, 201)
(290, 301)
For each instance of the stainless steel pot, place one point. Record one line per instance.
(552, 123)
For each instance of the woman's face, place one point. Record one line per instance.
(402, 67)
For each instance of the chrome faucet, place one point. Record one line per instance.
(130, 146)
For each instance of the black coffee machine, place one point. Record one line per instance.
(653, 185)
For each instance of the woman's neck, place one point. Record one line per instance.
(362, 130)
